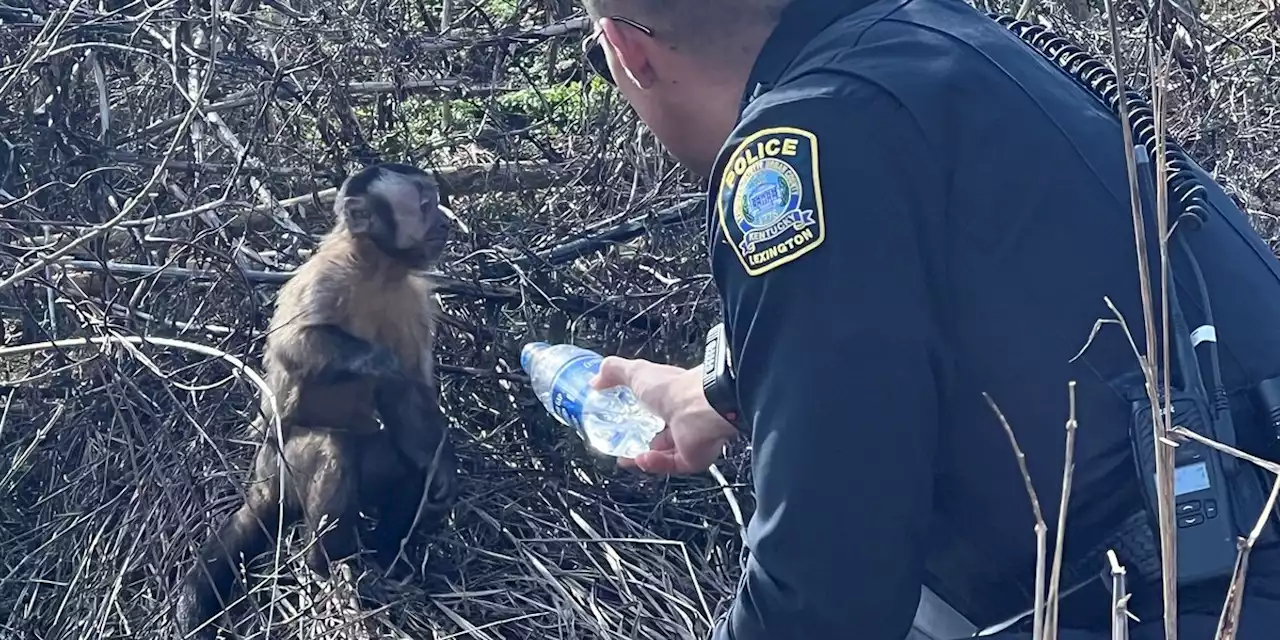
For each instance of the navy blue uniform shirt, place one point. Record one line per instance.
(915, 209)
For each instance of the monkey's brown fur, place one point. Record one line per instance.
(351, 337)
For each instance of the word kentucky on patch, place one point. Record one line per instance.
(761, 205)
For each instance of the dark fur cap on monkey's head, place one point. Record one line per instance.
(396, 207)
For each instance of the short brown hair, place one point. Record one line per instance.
(700, 25)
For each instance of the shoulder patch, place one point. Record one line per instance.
(770, 198)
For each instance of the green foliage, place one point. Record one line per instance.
(501, 9)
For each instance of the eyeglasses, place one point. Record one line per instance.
(593, 48)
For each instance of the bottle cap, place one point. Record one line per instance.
(528, 352)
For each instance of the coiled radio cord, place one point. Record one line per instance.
(1186, 194)
(1185, 190)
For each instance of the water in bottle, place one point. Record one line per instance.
(612, 421)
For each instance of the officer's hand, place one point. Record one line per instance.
(695, 433)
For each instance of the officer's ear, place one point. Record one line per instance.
(631, 50)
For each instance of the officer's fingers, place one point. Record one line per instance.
(614, 371)
(670, 463)
(659, 462)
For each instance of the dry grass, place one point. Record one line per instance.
(129, 212)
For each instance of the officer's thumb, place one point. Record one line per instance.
(614, 371)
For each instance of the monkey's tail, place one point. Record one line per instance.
(247, 533)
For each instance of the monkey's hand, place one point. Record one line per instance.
(377, 362)
(337, 356)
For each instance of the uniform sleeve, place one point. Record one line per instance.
(822, 259)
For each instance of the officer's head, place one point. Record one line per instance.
(682, 64)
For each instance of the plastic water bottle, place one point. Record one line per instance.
(612, 421)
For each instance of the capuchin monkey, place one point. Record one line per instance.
(351, 337)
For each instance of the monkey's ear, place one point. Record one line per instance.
(357, 212)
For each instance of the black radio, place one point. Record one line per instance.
(1209, 487)
(1202, 500)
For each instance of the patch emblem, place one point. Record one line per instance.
(770, 199)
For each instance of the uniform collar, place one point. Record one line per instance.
(800, 22)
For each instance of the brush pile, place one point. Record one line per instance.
(163, 167)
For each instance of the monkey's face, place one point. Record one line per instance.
(398, 209)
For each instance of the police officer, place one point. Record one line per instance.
(909, 208)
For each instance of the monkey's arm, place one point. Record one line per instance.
(408, 409)
(327, 354)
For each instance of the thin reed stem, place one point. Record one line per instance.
(1068, 469)
(1159, 418)
(1041, 528)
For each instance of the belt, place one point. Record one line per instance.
(1085, 582)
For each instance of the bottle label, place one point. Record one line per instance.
(570, 386)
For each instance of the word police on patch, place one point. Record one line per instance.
(770, 199)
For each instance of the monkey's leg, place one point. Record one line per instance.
(247, 532)
(395, 525)
(389, 481)
(326, 470)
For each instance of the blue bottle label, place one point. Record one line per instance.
(570, 386)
